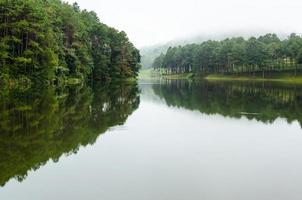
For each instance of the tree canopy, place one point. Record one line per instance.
(234, 55)
(48, 40)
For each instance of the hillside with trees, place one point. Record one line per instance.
(263, 55)
(46, 41)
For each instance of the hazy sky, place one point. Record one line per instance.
(149, 22)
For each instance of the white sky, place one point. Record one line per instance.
(149, 22)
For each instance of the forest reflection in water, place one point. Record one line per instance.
(262, 101)
(40, 124)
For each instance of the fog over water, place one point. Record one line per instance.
(150, 22)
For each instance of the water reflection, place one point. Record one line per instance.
(42, 124)
(264, 102)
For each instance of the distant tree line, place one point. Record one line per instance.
(45, 40)
(234, 56)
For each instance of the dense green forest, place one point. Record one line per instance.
(42, 124)
(49, 40)
(264, 102)
(267, 53)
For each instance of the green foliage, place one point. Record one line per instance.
(38, 37)
(234, 56)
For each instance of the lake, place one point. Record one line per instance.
(163, 140)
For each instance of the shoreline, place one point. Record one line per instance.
(282, 77)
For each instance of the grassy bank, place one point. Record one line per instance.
(276, 78)
(179, 76)
(146, 74)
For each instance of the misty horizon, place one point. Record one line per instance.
(149, 23)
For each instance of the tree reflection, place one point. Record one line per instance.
(42, 124)
(261, 101)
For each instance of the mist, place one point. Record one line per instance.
(152, 22)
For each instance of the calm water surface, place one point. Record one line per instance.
(168, 140)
